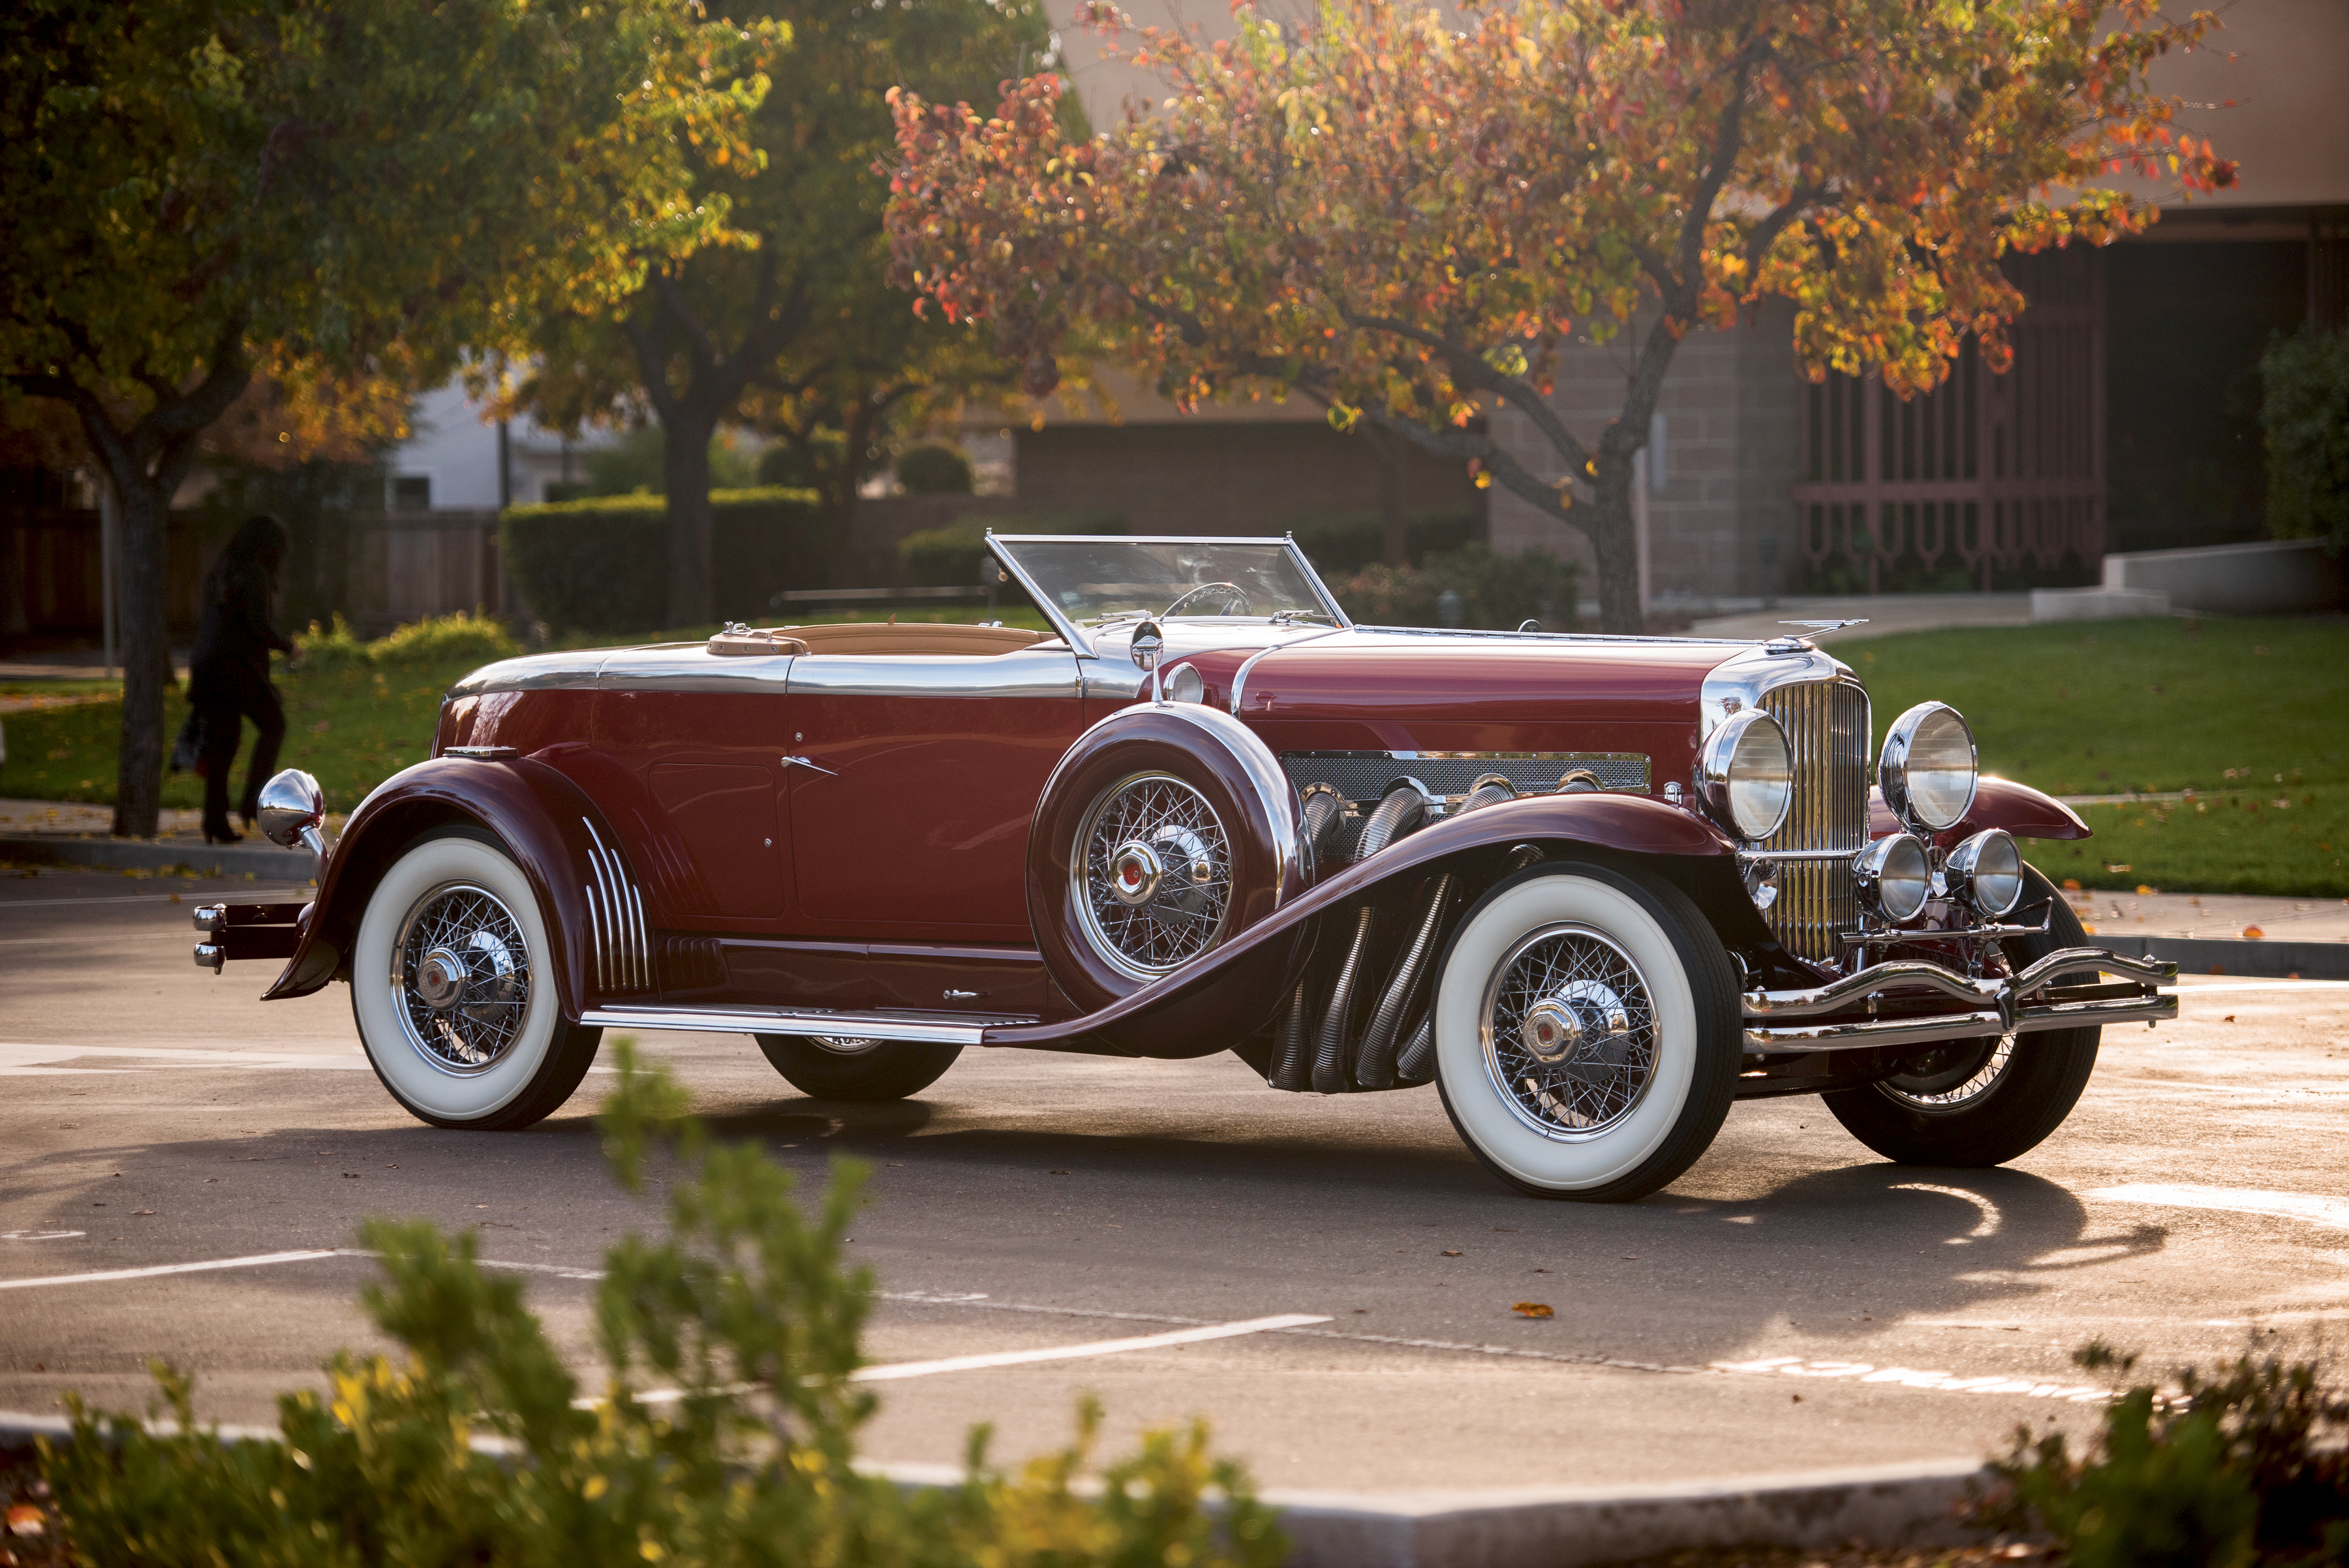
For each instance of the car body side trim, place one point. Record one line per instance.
(1239, 676)
(942, 1028)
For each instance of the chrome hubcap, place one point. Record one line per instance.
(1570, 1033)
(462, 971)
(1152, 875)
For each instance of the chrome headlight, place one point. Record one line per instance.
(1986, 871)
(1185, 684)
(1746, 775)
(1893, 877)
(1927, 769)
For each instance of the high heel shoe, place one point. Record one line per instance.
(223, 835)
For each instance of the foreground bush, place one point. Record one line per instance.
(725, 1436)
(1488, 591)
(2247, 1467)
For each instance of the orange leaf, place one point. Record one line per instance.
(1532, 1309)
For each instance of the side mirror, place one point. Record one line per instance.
(1148, 643)
(292, 808)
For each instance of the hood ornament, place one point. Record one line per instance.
(1797, 642)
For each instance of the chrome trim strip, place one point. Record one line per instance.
(944, 1028)
(532, 672)
(644, 946)
(1239, 676)
(692, 666)
(483, 754)
(2082, 1014)
(1474, 634)
(1022, 672)
(1069, 632)
(1321, 589)
(623, 955)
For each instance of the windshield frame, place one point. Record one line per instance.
(1081, 641)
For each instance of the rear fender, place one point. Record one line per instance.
(1231, 992)
(538, 815)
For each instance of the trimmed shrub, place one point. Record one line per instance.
(2304, 410)
(948, 558)
(444, 640)
(935, 471)
(600, 565)
(746, 1307)
(333, 647)
(1340, 544)
(1490, 592)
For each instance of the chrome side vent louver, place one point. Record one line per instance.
(616, 910)
(1826, 724)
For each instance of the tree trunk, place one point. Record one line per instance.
(146, 653)
(686, 429)
(1615, 538)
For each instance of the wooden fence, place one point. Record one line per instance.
(378, 569)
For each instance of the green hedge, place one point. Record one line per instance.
(1341, 543)
(2306, 413)
(948, 557)
(600, 565)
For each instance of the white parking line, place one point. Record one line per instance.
(22, 1059)
(257, 1260)
(2328, 1211)
(1070, 1351)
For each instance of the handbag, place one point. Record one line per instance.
(188, 751)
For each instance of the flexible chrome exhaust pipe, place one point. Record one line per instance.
(1403, 808)
(1379, 1042)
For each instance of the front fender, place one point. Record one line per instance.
(2023, 811)
(1230, 991)
(540, 816)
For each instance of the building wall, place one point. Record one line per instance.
(457, 453)
(1220, 477)
(1730, 428)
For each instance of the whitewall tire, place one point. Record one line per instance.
(453, 986)
(1586, 1031)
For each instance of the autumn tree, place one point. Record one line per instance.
(325, 192)
(1407, 222)
(794, 329)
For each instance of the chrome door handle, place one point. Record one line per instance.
(803, 763)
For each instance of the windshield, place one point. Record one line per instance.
(1090, 579)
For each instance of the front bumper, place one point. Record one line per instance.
(247, 932)
(1900, 1003)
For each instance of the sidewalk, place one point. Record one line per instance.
(67, 833)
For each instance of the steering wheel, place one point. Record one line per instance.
(1233, 592)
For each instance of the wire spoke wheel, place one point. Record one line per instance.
(462, 971)
(1154, 876)
(1954, 1077)
(1570, 1033)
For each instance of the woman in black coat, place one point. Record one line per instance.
(228, 677)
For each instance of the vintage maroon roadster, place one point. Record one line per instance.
(1593, 888)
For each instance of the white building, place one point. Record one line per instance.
(453, 461)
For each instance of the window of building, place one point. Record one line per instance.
(411, 493)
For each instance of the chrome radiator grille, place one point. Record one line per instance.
(1826, 722)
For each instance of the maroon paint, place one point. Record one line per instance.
(861, 975)
(1230, 991)
(2023, 811)
(703, 805)
(536, 812)
(1141, 740)
(921, 829)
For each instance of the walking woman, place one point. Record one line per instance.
(228, 677)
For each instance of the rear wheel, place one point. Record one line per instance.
(1586, 1032)
(836, 1068)
(453, 991)
(1983, 1101)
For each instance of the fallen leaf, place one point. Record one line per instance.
(1056, 1173)
(1630, 1257)
(319, 728)
(1450, 1252)
(2252, 933)
(2231, 1017)
(2145, 892)
(135, 1212)
(24, 1518)
(1532, 1309)
(2071, 884)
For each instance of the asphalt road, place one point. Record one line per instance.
(1791, 1303)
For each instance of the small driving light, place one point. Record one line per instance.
(1185, 684)
(1893, 877)
(1986, 871)
(1746, 775)
(1928, 768)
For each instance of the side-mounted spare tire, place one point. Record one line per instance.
(1165, 832)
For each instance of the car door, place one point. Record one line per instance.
(915, 780)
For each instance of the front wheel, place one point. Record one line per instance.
(1586, 1032)
(1976, 1103)
(452, 988)
(834, 1067)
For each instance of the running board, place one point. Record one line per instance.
(938, 1028)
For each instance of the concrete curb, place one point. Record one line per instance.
(258, 858)
(2256, 960)
(1885, 1505)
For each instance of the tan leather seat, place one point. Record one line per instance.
(867, 636)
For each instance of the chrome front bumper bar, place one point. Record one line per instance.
(1818, 1019)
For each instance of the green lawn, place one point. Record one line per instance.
(2245, 714)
